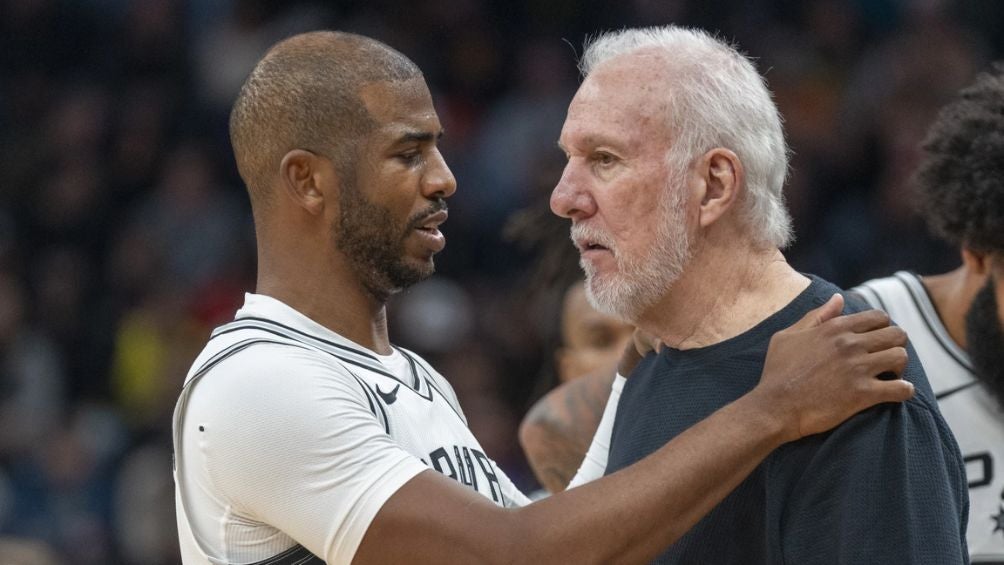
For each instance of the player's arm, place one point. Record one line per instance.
(557, 430)
(632, 515)
(559, 433)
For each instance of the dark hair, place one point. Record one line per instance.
(960, 184)
(304, 94)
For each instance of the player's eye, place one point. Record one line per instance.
(604, 159)
(411, 157)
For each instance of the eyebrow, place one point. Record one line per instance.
(420, 136)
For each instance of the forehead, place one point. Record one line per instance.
(625, 98)
(399, 105)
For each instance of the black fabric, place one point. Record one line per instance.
(887, 486)
(296, 555)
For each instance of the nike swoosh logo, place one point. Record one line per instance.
(388, 397)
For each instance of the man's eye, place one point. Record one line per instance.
(604, 159)
(410, 157)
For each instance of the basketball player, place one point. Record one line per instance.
(956, 320)
(303, 436)
(673, 185)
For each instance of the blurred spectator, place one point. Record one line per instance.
(15, 551)
(32, 382)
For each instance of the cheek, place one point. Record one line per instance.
(630, 217)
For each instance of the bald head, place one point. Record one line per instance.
(305, 94)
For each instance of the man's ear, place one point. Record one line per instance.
(721, 175)
(976, 262)
(302, 176)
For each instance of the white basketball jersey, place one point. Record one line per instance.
(289, 438)
(975, 418)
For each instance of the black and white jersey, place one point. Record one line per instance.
(975, 418)
(289, 438)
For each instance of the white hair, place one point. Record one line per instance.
(716, 99)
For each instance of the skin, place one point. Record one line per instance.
(958, 297)
(592, 345)
(298, 262)
(628, 517)
(556, 432)
(591, 341)
(617, 147)
(952, 293)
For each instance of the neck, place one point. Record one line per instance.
(724, 291)
(951, 294)
(325, 289)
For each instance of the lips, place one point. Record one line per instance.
(431, 222)
(587, 239)
(427, 229)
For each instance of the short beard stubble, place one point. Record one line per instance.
(374, 243)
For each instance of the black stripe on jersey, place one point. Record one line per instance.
(374, 402)
(934, 325)
(414, 371)
(375, 367)
(431, 382)
(874, 295)
(296, 555)
(946, 393)
(235, 348)
(355, 350)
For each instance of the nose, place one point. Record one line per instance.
(438, 180)
(569, 199)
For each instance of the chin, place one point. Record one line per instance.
(613, 298)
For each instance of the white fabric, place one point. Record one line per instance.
(296, 435)
(975, 419)
(595, 462)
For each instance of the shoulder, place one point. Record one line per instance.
(269, 374)
(897, 295)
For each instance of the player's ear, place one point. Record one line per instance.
(977, 263)
(720, 175)
(302, 176)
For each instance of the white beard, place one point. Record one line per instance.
(640, 281)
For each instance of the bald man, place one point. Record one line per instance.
(304, 436)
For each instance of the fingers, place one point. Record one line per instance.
(883, 338)
(892, 360)
(897, 390)
(831, 309)
(860, 322)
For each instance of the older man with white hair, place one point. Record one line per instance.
(676, 162)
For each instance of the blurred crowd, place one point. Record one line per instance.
(125, 235)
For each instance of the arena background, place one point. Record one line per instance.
(125, 234)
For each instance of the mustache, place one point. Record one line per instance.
(438, 205)
(581, 232)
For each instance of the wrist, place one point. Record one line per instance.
(765, 416)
